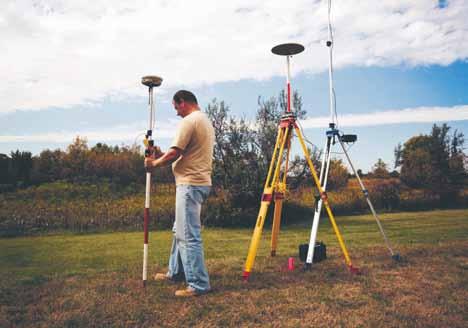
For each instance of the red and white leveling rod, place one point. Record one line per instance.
(150, 82)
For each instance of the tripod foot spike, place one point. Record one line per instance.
(245, 276)
(397, 257)
(273, 253)
(307, 267)
(144, 283)
(354, 270)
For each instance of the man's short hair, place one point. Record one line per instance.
(186, 96)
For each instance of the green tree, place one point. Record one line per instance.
(338, 175)
(48, 166)
(218, 114)
(76, 159)
(235, 157)
(268, 116)
(380, 170)
(299, 170)
(243, 151)
(434, 162)
(5, 170)
(21, 166)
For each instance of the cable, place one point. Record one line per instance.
(302, 131)
(349, 146)
(138, 136)
(342, 153)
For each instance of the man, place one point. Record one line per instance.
(191, 155)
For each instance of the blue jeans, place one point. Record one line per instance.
(187, 247)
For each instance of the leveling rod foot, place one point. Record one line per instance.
(307, 267)
(144, 283)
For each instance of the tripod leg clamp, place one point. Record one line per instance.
(267, 197)
(324, 196)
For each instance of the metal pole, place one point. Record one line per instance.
(327, 153)
(324, 197)
(150, 82)
(395, 256)
(315, 223)
(288, 83)
(330, 67)
(147, 192)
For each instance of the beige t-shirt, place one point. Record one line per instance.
(195, 137)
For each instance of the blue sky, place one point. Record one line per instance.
(74, 68)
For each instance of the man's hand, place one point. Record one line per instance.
(157, 152)
(150, 162)
(165, 158)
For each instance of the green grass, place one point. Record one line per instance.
(94, 280)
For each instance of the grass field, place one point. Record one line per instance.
(93, 280)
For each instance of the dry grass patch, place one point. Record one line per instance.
(94, 280)
(428, 289)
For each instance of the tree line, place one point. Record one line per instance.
(243, 150)
(435, 162)
(78, 163)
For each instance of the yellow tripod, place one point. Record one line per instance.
(275, 184)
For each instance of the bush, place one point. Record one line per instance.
(106, 206)
(225, 209)
(82, 208)
(386, 194)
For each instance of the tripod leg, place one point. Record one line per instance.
(266, 200)
(276, 225)
(395, 256)
(318, 209)
(257, 233)
(324, 197)
(280, 191)
(264, 204)
(278, 144)
(279, 196)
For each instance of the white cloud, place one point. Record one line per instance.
(408, 115)
(166, 130)
(128, 133)
(63, 53)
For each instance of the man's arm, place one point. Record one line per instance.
(170, 156)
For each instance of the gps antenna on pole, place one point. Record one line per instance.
(150, 82)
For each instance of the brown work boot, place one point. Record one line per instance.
(161, 277)
(188, 292)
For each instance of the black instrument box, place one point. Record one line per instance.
(320, 252)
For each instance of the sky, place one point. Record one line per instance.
(74, 68)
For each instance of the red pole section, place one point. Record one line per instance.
(145, 228)
(288, 83)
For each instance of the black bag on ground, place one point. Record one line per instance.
(320, 252)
